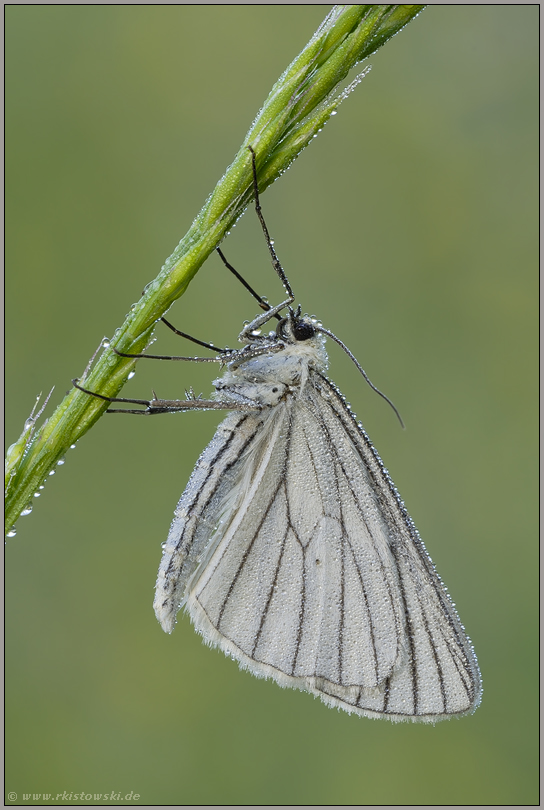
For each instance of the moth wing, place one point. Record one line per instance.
(300, 585)
(279, 592)
(439, 675)
(314, 574)
(200, 517)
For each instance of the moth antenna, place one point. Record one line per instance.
(361, 369)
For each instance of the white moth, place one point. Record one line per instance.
(292, 550)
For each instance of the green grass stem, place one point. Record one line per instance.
(297, 107)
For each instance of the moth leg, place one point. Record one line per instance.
(155, 405)
(272, 312)
(257, 322)
(168, 357)
(194, 340)
(275, 261)
(262, 303)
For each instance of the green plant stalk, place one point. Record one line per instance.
(298, 106)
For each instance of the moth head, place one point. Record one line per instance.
(294, 328)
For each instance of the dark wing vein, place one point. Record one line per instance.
(342, 613)
(256, 533)
(435, 655)
(365, 597)
(272, 587)
(301, 614)
(201, 498)
(361, 511)
(409, 634)
(246, 553)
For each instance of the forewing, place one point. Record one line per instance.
(438, 675)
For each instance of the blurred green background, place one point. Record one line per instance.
(410, 228)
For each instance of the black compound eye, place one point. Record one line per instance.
(303, 330)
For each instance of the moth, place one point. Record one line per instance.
(291, 549)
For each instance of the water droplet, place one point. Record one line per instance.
(52, 472)
(37, 494)
(334, 112)
(27, 510)
(72, 447)
(11, 532)
(131, 375)
(106, 343)
(60, 462)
